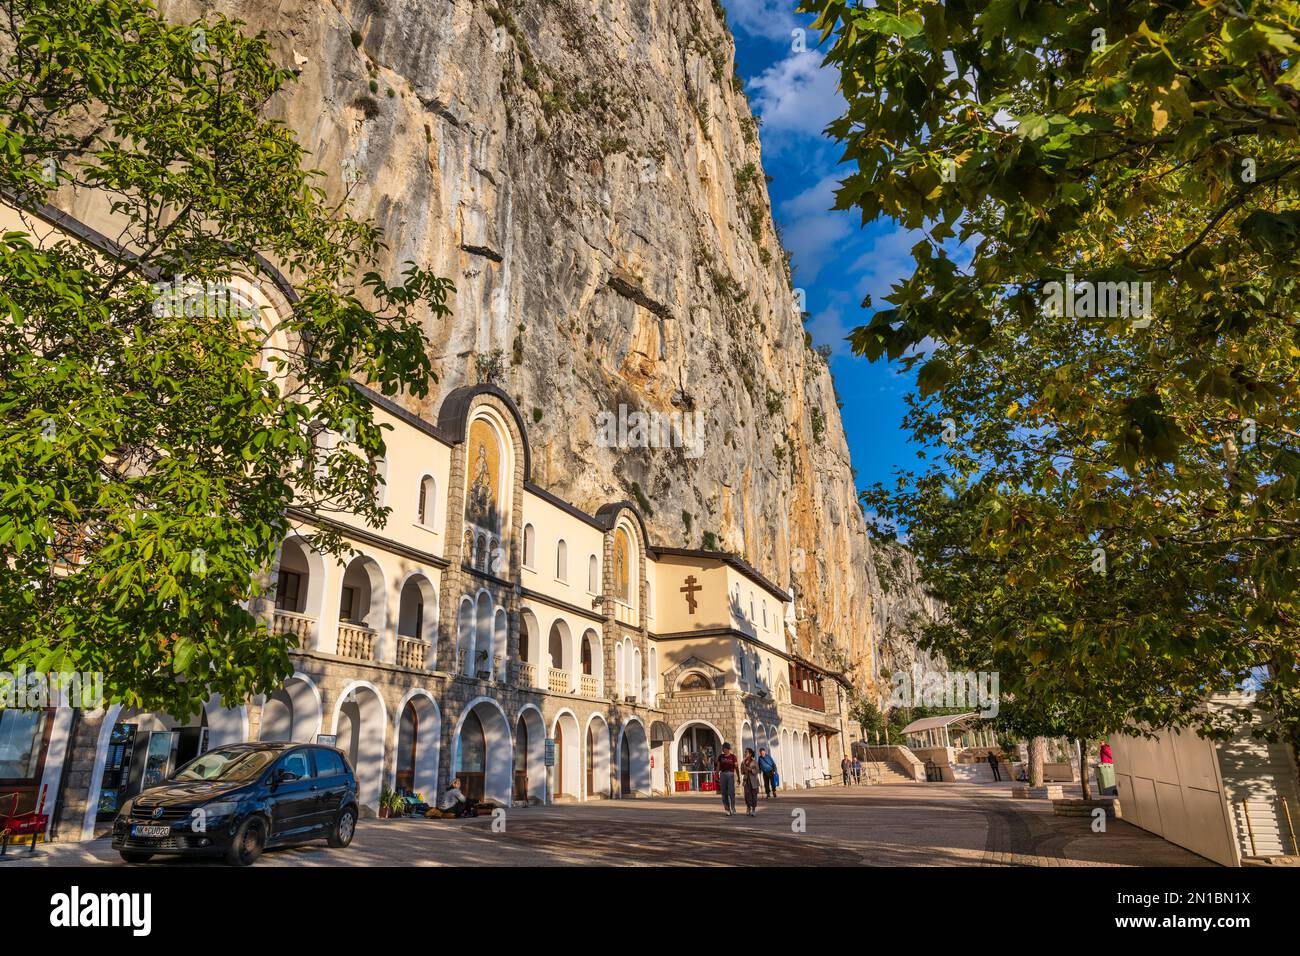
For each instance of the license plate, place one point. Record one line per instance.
(151, 832)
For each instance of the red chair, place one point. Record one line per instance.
(17, 824)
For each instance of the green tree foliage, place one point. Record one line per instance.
(152, 443)
(1112, 513)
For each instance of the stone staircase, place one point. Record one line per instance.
(879, 771)
(977, 772)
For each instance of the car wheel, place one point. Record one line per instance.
(344, 828)
(135, 856)
(248, 843)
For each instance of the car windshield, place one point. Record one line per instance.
(226, 764)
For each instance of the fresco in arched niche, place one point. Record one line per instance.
(483, 499)
(622, 557)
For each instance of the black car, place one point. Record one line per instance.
(236, 801)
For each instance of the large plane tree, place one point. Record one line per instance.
(152, 437)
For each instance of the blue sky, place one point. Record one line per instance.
(837, 260)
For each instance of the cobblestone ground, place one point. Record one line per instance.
(897, 824)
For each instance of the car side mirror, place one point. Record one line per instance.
(284, 776)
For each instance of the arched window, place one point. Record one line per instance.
(652, 679)
(562, 561)
(586, 655)
(593, 575)
(428, 498)
(649, 600)
(530, 546)
(765, 615)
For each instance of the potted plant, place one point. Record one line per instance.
(391, 803)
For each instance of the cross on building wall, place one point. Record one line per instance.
(689, 589)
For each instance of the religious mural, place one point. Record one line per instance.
(622, 557)
(483, 499)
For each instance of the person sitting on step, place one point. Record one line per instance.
(456, 803)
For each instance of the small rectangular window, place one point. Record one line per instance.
(346, 603)
(287, 591)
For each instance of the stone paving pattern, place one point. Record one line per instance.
(884, 825)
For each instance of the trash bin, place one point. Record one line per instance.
(1106, 778)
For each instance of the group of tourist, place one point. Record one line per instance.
(851, 770)
(751, 769)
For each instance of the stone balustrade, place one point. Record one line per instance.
(356, 641)
(411, 652)
(558, 681)
(300, 625)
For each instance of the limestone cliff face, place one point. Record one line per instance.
(589, 175)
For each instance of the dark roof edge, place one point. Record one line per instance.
(726, 557)
(566, 507)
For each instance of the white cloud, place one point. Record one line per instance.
(797, 95)
(812, 228)
(772, 19)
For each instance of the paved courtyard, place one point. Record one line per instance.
(894, 824)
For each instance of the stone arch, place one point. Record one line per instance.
(499, 641)
(593, 651)
(633, 759)
(694, 681)
(638, 675)
(364, 577)
(530, 778)
(427, 744)
(747, 737)
(497, 756)
(293, 712)
(360, 723)
(568, 754)
(596, 757)
(484, 624)
(561, 653)
(417, 614)
(489, 483)
(681, 732)
(299, 601)
(530, 645)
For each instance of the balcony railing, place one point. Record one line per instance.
(588, 686)
(558, 681)
(411, 652)
(288, 622)
(356, 641)
(525, 674)
(807, 699)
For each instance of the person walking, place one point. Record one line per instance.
(1106, 756)
(993, 762)
(767, 767)
(749, 777)
(846, 767)
(857, 772)
(725, 767)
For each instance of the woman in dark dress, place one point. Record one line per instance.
(749, 776)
